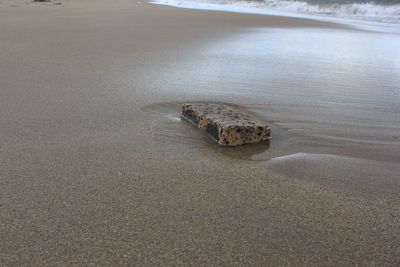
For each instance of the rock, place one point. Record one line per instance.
(226, 124)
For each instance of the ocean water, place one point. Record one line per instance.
(381, 11)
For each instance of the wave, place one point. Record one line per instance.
(370, 11)
(365, 11)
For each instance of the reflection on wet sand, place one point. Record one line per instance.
(92, 175)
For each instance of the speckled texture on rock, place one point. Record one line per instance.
(225, 124)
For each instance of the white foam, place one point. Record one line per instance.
(365, 11)
(374, 17)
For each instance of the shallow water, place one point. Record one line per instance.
(333, 90)
(171, 132)
(304, 158)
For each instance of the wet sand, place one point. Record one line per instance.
(98, 169)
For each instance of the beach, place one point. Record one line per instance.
(97, 168)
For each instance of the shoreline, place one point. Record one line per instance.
(354, 23)
(96, 169)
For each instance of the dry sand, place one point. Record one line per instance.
(95, 172)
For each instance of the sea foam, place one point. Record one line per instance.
(362, 11)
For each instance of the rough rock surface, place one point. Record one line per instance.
(225, 124)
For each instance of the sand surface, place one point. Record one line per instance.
(96, 168)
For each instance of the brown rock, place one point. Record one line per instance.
(225, 124)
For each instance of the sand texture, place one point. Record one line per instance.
(98, 169)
